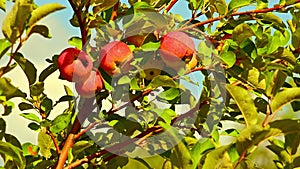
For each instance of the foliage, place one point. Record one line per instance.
(248, 60)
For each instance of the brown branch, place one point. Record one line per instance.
(85, 130)
(53, 140)
(266, 122)
(256, 11)
(169, 7)
(114, 13)
(81, 21)
(69, 142)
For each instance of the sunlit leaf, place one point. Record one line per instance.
(215, 157)
(31, 116)
(284, 97)
(4, 46)
(244, 102)
(60, 123)
(45, 143)
(43, 11)
(233, 4)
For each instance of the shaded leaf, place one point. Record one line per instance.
(8, 90)
(13, 154)
(244, 102)
(47, 72)
(242, 32)
(80, 146)
(37, 89)
(292, 142)
(28, 68)
(40, 29)
(276, 82)
(280, 152)
(43, 11)
(284, 97)
(101, 5)
(252, 136)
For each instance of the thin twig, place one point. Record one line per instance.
(256, 11)
(169, 7)
(53, 140)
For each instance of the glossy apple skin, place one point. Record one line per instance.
(90, 86)
(74, 65)
(177, 44)
(114, 57)
(175, 47)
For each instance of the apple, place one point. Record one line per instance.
(90, 86)
(175, 48)
(74, 65)
(114, 57)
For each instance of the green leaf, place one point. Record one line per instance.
(8, 90)
(199, 149)
(12, 140)
(28, 68)
(181, 156)
(169, 94)
(33, 126)
(228, 58)
(3, 5)
(40, 29)
(8, 106)
(296, 162)
(215, 157)
(47, 72)
(60, 123)
(46, 105)
(150, 46)
(287, 126)
(276, 82)
(2, 128)
(43, 11)
(242, 32)
(12, 154)
(45, 143)
(280, 152)
(101, 5)
(4, 46)
(75, 41)
(244, 102)
(124, 80)
(37, 89)
(14, 23)
(233, 4)
(25, 106)
(252, 136)
(271, 17)
(30, 149)
(284, 97)
(163, 81)
(80, 146)
(278, 40)
(8, 69)
(31, 116)
(284, 54)
(221, 6)
(292, 142)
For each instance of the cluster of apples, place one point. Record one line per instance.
(76, 65)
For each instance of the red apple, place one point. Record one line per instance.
(175, 47)
(114, 57)
(90, 86)
(74, 65)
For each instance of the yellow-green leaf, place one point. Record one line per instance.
(244, 102)
(43, 11)
(284, 97)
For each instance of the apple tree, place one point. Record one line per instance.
(152, 89)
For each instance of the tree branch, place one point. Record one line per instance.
(81, 22)
(256, 11)
(169, 7)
